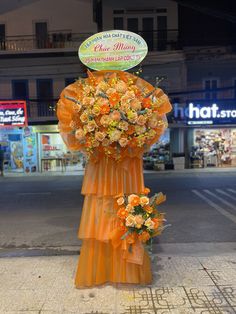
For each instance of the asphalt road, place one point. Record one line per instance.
(44, 212)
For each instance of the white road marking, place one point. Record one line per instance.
(225, 193)
(220, 199)
(216, 206)
(232, 191)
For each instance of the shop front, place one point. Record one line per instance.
(53, 154)
(208, 134)
(17, 139)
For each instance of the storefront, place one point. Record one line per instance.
(53, 154)
(209, 134)
(17, 139)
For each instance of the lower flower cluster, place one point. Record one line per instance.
(139, 216)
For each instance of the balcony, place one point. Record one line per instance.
(55, 40)
(157, 41)
(41, 110)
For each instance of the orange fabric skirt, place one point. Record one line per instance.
(100, 260)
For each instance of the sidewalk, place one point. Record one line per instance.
(183, 284)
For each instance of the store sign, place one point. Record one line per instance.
(113, 50)
(195, 114)
(30, 150)
(13, 113)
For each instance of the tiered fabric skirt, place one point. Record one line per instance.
(100, 260)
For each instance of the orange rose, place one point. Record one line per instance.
(115, 115)
(144, 236)
(148, 209)
(99, 136)
(120, 200)
(144, 200)
(134, 200)
(123, 142)
(141, 120)
(105, 120)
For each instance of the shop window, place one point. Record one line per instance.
(210, 86)
(45, 101)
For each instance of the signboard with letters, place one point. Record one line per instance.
(199, 114)
(113, 50)
(13, 113)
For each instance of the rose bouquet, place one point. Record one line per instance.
(139, 216)
(111, 112)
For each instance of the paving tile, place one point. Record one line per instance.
(25, 300)
(214, 262)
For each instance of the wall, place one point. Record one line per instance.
(76, 16)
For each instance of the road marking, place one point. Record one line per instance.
(35, 193)
(216, 206)
(231, 190)
(225, 193)
(220, 199)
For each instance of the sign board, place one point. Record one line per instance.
(210, 114)
(13, 113)
(113, 50)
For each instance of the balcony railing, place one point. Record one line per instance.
(51, 41)
(41, 110)
(156, 40)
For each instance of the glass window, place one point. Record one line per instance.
(210, 85)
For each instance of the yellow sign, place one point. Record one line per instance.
(113, 50)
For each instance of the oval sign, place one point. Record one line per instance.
(113, 50)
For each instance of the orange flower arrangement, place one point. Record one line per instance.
(125, 108)
(140, 217)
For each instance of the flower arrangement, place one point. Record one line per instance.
(113, 112)
(139, 216)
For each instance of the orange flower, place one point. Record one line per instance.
(134, 200)
(114, 98)
(104, 109)
(122, 213)
(144, 236)
(156, 222)
(148, 209)
(146, 191)
(131, 238)
(147, 103)
(131, 130)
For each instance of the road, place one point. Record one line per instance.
(43, 212)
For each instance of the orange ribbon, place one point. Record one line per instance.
(133, 250)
